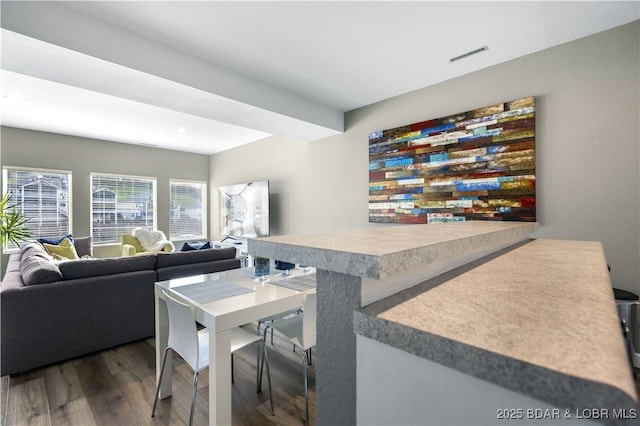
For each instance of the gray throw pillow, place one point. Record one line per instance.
(83, 246)
(33, 248)
(36, 269)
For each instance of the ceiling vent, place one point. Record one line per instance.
(473, 52)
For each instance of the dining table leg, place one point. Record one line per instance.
(219, 377)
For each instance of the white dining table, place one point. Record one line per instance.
(244, 300)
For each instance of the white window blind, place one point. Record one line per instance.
(44, 196)
(188, 210)
(120, 203)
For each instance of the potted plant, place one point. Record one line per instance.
(12, 223)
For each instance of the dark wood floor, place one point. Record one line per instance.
(116, 387)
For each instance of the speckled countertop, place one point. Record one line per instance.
(538, 318)
(382, 252)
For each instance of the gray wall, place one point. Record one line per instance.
(588, 141)
(588, 156)
(81, 156)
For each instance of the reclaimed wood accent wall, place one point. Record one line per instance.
(476, 165)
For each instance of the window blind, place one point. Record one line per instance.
(120, 203)
(44, 196)
(188, 210)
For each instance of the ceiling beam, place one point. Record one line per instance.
(50, 41)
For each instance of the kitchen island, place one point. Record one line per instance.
(450, 323)
(357, 268)
(527, 335)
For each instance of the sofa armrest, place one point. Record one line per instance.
(131, 250)
(128, 250)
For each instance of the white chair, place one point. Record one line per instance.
(193, 346)
(277, 317)
(301, 330)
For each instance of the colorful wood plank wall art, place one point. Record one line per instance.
(476, 165)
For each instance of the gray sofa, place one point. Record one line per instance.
(52, 312)
(185, 263)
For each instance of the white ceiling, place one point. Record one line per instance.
(207, 76)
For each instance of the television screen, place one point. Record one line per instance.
(244, 210)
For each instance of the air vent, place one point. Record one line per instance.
(473, 52)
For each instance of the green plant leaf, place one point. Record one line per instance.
(12, 223)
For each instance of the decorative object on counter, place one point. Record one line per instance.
(261, 268)
(306, 269)
(286, 268)
(475, 165)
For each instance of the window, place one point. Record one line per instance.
(188, 216)
(119, 204)
(44, 196)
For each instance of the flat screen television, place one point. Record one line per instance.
(244, 210)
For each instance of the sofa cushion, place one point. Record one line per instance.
(62, 251)
(32, 248)
(37, 269)
(195, 246)
(84, 268)
(54, 241)
(195, 256)
(83, 246)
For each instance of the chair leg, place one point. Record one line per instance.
(193, 397)
(266, 360)
(305, 358)
(258, 360)
(261, 368)
(164, 360)
(259, 324)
